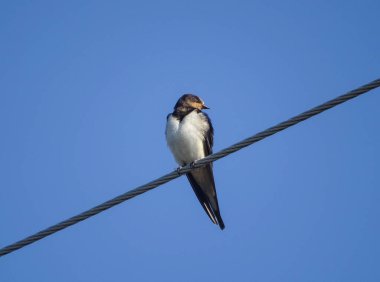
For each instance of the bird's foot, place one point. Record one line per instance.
(179, 170)
(192, 164)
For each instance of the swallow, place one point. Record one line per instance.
(190, 137)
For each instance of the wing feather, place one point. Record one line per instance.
(202, 180)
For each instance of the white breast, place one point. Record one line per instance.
(186, 138)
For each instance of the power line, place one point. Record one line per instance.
(174, 174)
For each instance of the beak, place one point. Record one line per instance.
(205, 107)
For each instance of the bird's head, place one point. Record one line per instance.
(189, 101)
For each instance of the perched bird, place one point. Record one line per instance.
(189, 134)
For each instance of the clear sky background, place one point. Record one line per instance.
(85, 87)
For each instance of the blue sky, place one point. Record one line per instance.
(85, 89)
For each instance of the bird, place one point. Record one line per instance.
(190, 137)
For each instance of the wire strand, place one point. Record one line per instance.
(177, 173)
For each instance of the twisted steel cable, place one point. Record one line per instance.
(174, 174)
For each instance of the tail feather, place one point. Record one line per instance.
(202, 182)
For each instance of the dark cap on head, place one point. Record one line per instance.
(190, 101)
